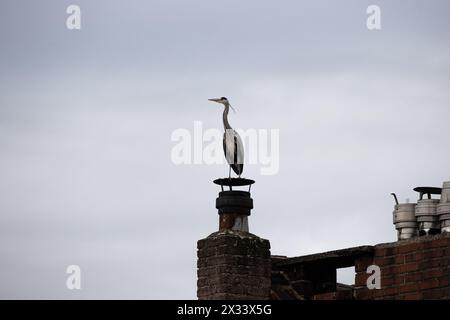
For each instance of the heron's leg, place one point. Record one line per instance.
(229, 177)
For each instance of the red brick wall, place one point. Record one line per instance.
(343, 295)
(418, 268)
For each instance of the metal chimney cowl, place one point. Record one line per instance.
(234, 207)
(443, 208)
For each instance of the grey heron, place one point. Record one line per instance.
(232, 142)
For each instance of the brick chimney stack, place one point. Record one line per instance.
(233, 264)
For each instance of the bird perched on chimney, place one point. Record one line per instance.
(232, 142)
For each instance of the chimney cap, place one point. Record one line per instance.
(427, 190)
(234, 182)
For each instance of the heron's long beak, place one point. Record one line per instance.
(215, 100)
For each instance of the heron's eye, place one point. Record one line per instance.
(223, 98)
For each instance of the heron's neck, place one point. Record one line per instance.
(226, 124)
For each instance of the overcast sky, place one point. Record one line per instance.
(86, 118)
